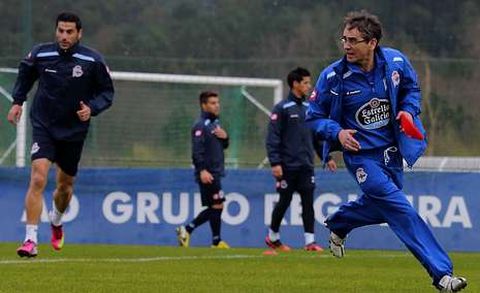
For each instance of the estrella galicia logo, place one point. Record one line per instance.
(374, 114)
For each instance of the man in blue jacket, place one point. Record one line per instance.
(73, 85)
(356, 107)
(209, 140)
(291, 148)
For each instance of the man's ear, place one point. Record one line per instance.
(295, 84)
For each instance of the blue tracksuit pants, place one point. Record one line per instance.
(379, 174)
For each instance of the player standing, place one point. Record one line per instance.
(209, 140)
(290, 147)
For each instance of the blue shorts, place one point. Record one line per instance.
(302, 181)
(211, 193)
(66, 154)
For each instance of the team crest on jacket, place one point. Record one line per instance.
(361, 175)
(198, 132)
(282, 184)
(35, 148)
(374, 114)
(395, 78)
(77, 71)
(313, 95)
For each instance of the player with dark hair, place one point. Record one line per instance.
(358, 106)
(73, 85)
(290, 147)
(209, 140)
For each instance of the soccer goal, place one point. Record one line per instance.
(150, 120)
(13, 140)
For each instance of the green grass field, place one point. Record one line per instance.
(120, 268)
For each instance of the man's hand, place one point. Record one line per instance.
(220, 132)
(277, 172)
(206, 177)
(407, 116)
(349, 143)
(331, 165)
(14, 114)
(407, 125)
(84, 112)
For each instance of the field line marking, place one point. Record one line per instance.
(174, 258)
(126, 260)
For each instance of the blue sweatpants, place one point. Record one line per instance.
(379, 174)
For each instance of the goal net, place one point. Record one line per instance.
(12, 144)
(150, 121)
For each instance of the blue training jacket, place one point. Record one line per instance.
(324, 114)
(289, 142)
(65, 77)
(207, 148)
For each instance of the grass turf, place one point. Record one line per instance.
(121, 268)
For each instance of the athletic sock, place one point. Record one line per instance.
(274, 236)
(309, 238)
(199, 220)
(215, 225)
(55, 215)
(31, 233)
(216, 240)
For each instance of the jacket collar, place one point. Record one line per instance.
(291, 97)
(207, 115)
(69, 52)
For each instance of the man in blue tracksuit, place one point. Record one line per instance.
(291, 146)
(209, 140)
(73, 85)
(355, 107)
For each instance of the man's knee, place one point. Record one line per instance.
(285, 196)
(218, 206)
(65, 188)
(39, 174)
(38, 181)
(378, 188)
(306, 194)
(64, 183)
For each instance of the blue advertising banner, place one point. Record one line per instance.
(144, 206)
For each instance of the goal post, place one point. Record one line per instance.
(19, 142)
(149, 123)
(233, 99)
(276, 84)
(130, 84)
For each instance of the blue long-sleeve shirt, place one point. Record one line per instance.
(207, 148)
(326, 111)
(65, 77)
(289, 141)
